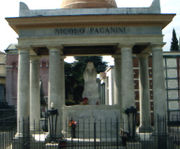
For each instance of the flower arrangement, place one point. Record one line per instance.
(72, 123)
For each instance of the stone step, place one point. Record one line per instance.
(81, 146)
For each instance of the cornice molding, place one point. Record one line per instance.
(121, 19)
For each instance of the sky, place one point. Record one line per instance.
(10, 8)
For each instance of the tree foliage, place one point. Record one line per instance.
(74, 76)
(174, 42)
(97, 60)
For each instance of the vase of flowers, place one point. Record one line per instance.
(72, 125)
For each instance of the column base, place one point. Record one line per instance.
(53, 138)
(35, 127)
(143, 129)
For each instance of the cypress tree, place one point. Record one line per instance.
(174, 42)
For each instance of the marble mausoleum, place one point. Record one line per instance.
(90, 28)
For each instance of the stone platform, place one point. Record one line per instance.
(99, 120)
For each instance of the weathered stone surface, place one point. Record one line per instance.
(23, 89)
(159, 94)
(145, 119)
(34, 93)
(56, 84)
(104, 116)
(90, 31)
(127, 89)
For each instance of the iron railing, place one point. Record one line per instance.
(88, 134)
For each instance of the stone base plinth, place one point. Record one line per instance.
(99, 120)
(82, 145)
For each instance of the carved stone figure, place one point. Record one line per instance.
(90, 85)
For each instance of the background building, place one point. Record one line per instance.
(2, 77)
(172, 82)
(7, 113)
(110, 86)
(12, 72)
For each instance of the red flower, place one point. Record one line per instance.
(72, 122)
(85, 101)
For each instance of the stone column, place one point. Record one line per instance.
(23, 90)
(56, 84)
(62, 78)
(127, 82)
(159, 92)
(117, 71)
(106, 91)
(117, 89)
(34, 94)
(145, 114)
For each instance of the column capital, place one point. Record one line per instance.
(156, 47)
(56, 49)
(143, 55)
(126, 45)
(34, 58)
(23, 47)
(23, 52)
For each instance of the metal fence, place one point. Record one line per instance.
(6, 138)
(88, 134)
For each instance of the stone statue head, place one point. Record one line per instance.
(90, 72)
(90, 66)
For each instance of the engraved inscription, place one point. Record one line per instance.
(90, 31)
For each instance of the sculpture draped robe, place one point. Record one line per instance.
(90, 84)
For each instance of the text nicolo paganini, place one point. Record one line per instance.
(90, 31)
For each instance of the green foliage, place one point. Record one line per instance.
(174, 43)
(74, 76)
